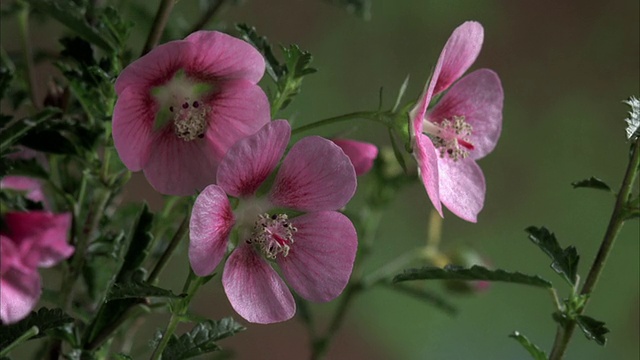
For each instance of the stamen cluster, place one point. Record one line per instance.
(190, 121)
(273, 235)
(451, 134)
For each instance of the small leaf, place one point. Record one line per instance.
(45, 319)
(138, 242)
(532, 348)
(592, 182)
(593, 329)
(401, 92)
(633, 121)
(632, 209)
(138, 290)
(201, 339)
(565, 262)
(476, 272)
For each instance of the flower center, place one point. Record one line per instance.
(272, 235)
(450, 137)
(190, 120)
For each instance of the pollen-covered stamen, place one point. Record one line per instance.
(273, 235)
(451, 137)
(190, 119)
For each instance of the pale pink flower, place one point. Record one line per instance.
(461, 128)
(181, 106)
(361, 154)
(29, 240)
(314, 251)
(30, 186)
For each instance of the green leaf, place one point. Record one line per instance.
(45, 319)
(632, 209)
(476, 272)
(532, 348)
(403, 89)
(593, 329)
(70, 14)
(565, 262)
(138, 290)
(397, 152)
(360, 8)
(633, 121)
(138, 241)
(593, 183)
(10, 135)
(273, 67)
(30, 168)
(6, 76)
(426, 296)
(201, 339)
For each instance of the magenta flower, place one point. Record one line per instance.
(314, 251)
(461, 128)
(361, 154)
(28, 240)
(30, 186)
(181, 107)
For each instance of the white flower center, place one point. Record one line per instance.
(272, 235)
(450, 137)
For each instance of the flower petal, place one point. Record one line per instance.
(478, 97)
(320, 260)
(250, 161)
(460, 51)
(222, 56)
(178, 167)
(462, 187)
(238, 109)
(361, 154)
(316, 175)
(19, 293)
(211, 223)
(419, 111)
(156, 67)
(41, 236)
(32, 186)
(133, 118)
(254, 289)
(427, 158)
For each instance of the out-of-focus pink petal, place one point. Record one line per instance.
(41, 236)
(211, 223)
(254, 289)
(32, 187)
(361, 154)
(478, 97)
(19, 293)
(133, 118)
(316, 175)
(238, 109)
(156, 67)
(462, 187)
(458, 54)
(250, 161)
(218, 55)
(427, 158)
(178, 167)
(320, 260)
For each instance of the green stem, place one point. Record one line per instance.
(207, 16)
(180, 234)
(191, 286)
(33, 331)
(159, 23)
(23, 20)
(563, 335)
(369, 115)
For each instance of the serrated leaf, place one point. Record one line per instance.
(10, 135)
(273, 66)
(45, 319)
(633, 121)
(593, 183)
(532, 348)
(201, 339)
(476, 272)
(593, 329)
(138, 290)
(564, 262)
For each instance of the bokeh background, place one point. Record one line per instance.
(565, 68)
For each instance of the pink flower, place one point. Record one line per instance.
(461, 128)
(315, 251)
(181, 107)
(28, 240)
(30, 186)
(360, 153)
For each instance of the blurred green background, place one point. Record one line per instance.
(565, 68)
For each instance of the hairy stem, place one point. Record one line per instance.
(159, 23)
(208, 15)
(23, 20)
(369, 115)
(563, 335)
(180, 234)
